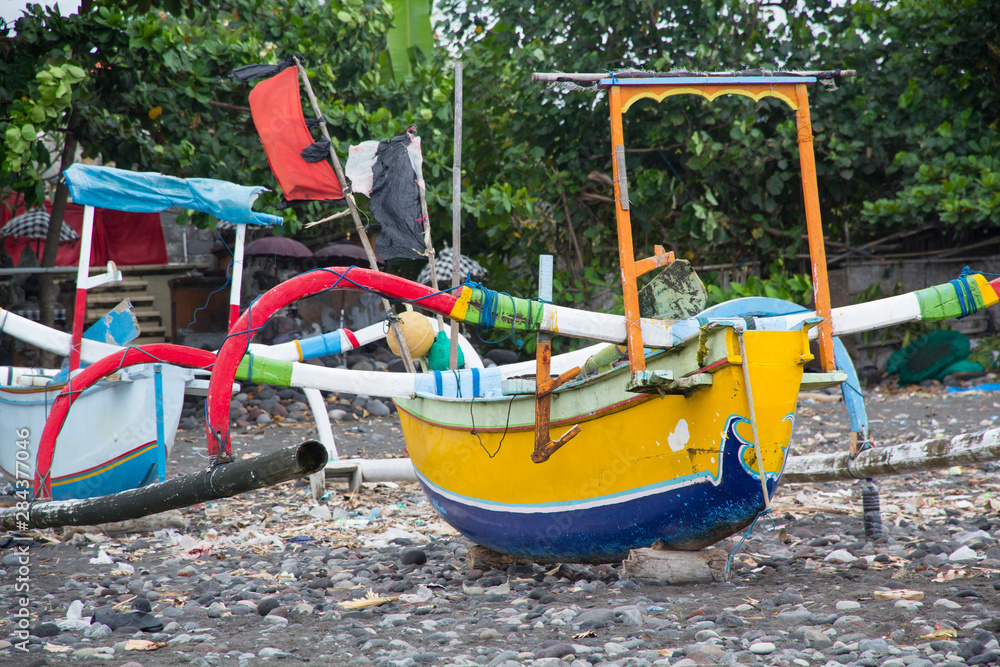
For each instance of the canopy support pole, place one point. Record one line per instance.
(814, 227)
(626, 252)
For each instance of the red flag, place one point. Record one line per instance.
(277, 114)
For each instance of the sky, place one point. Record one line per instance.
(11, 10)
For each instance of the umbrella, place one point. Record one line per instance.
(346, 254)
(442, 267)
(34, 224)
(281, 246)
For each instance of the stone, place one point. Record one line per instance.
(632, 618)
(557, 650)
(788, 597)
(413, 557)
(45, 630)
(879, 646)
(377, 408)
(840, 556)
(614, 649)
(265, 606)
(963, 554)
(947, 604)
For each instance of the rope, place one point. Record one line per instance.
(476, 433)
(762, 513)
(964, 292)
(490, 311)
(208, 299)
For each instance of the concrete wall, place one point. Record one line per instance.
(848, 281)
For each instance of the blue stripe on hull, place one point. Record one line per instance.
(133, 473)
(684, 517)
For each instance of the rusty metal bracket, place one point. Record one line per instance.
(544, 386)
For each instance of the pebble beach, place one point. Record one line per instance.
(377, 578)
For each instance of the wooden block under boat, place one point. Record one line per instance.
(675, 567)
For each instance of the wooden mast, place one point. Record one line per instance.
(814, 227)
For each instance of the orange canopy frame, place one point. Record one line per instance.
(790, 88)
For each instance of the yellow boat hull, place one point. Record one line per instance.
(678, 468)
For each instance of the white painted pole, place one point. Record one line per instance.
(456, 209)
(82, 277)
(237, 280)
(317, 480)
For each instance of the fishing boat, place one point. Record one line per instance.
(673, 432)
(111, 443)
(120, 436)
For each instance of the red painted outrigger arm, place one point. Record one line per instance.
(178, 355)
(299, 287)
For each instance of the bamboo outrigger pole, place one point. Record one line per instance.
(353, 207)
(895, 459)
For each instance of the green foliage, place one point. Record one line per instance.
(986, 352)
(410, 39)
(912, 140)
(796, 288)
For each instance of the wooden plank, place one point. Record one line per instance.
(814, 381)
(626, 252)
(814, 227)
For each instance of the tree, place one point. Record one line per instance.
(147, 90)
(904, 143)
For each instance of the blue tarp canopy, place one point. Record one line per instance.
(149, 192)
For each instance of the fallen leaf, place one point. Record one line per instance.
(143, 645)
(940, 633)
(899, 594)
(371, 599)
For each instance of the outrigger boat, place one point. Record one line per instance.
(121, 439)
(685, 444)
(677, 430)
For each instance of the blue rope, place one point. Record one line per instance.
(762, 513)
(965, 299)
(489, 311)
(208, 299)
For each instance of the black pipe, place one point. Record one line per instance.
(220, 482)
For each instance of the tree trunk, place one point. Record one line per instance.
(46, 282)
